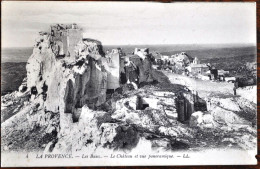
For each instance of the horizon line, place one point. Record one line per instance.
(253, 44)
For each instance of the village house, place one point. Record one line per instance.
(196, 61)
(196, 69)
(221, 74)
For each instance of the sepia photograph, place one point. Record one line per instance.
(128, 83)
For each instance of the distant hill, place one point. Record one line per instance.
(205, 54)
(16, 54)
(12, 75)
(223, 58)
(200, 51)
(232, 62)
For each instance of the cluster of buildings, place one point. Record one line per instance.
(182, 63)
(206, 71)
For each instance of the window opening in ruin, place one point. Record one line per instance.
(185, 106)
(78, 104)
(75, 116)
(69, 97)
(52, 32)
(200, 105)
(141, 103)
(110, 91)
(34, 90)
(123, 79)
(44, 91)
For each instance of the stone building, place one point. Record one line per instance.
(196, 61)
(196, 69)
(64, 38)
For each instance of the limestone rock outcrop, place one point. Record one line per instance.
(67, 83)
(181, 59)
(229, 111)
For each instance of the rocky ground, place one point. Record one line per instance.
(125, 120)
(233, 117)
(27, 127)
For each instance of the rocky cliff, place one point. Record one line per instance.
(67, 79)
(66, 84)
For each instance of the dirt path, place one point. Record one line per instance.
(204, 88)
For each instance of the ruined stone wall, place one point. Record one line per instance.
(113, 71)
(145, 68)
(65, 38)
(185, 106)
(88, 88)
(74, 36)
(65, 44)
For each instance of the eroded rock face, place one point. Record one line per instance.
(113, 69)
(64, 74)
(181, 59)
(68, 83)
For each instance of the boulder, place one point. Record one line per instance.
(248, 93)
(202, 120)
(181, 59)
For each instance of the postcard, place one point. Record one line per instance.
(128, 84)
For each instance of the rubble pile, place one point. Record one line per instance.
(181, 59)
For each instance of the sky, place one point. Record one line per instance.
(130, 23)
